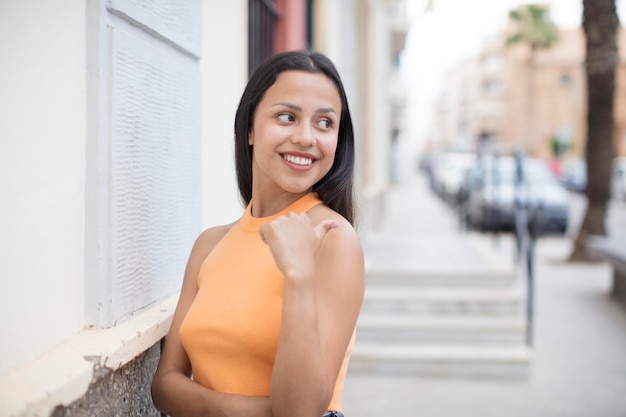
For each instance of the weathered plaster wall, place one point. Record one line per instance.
(123, 393)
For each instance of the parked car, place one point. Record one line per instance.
(448, 173)
(574, 177)
(490, 195)
(618, 178)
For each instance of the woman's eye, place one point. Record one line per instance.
(285, 117)
(325, 124)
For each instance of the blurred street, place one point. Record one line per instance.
(576, 366)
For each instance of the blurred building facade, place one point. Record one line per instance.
(365, 39)
(117, 151)
(497, 98)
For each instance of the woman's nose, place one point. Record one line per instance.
(304, 135)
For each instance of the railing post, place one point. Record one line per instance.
(525, 242)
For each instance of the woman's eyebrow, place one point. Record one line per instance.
(291, 106)
(298, 108)
(326, 110)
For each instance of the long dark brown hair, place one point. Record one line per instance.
(335, 189)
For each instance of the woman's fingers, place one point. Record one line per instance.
(294, 240)
(296, 226)
(324, 227)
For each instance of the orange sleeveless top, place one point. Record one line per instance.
(230, 332)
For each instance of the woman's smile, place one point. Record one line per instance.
(302, 161)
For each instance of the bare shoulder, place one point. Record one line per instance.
(340, 263)
(321, 212)
(341, 242)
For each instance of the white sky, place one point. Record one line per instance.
(455, 29)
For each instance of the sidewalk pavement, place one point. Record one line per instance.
(579, 352)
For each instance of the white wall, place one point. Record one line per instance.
(143, 158)
(42, 175)
(379, 109)
(224, 75)
(99, 164)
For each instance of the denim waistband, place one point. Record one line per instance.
(332, 414)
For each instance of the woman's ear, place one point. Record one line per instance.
(251, 138)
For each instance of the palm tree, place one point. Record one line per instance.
(535, 29)
(600, 23)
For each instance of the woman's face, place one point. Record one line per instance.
(294, 134)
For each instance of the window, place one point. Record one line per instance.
(492, 88)
(309, 23)
(262, 16)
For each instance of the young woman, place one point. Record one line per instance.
(267, 312)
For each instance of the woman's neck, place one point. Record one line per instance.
(264, 205)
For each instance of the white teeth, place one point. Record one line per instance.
(298, 160)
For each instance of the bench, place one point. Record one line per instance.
(613, 252)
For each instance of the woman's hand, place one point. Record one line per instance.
(323, 291)
(294, 241)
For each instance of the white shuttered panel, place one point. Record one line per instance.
(150, 201)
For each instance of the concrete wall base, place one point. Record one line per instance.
(125, 392)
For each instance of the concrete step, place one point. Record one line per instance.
(409, 300)
(441, 275)
(390, 328)
(502, 362)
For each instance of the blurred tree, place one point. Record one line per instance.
(535, 29)
(600, 23)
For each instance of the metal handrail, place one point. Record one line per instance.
(528, 226)
(526, 231)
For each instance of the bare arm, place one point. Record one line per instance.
(324, 281)
(173, 391)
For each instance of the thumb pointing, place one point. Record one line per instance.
(323, 227)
